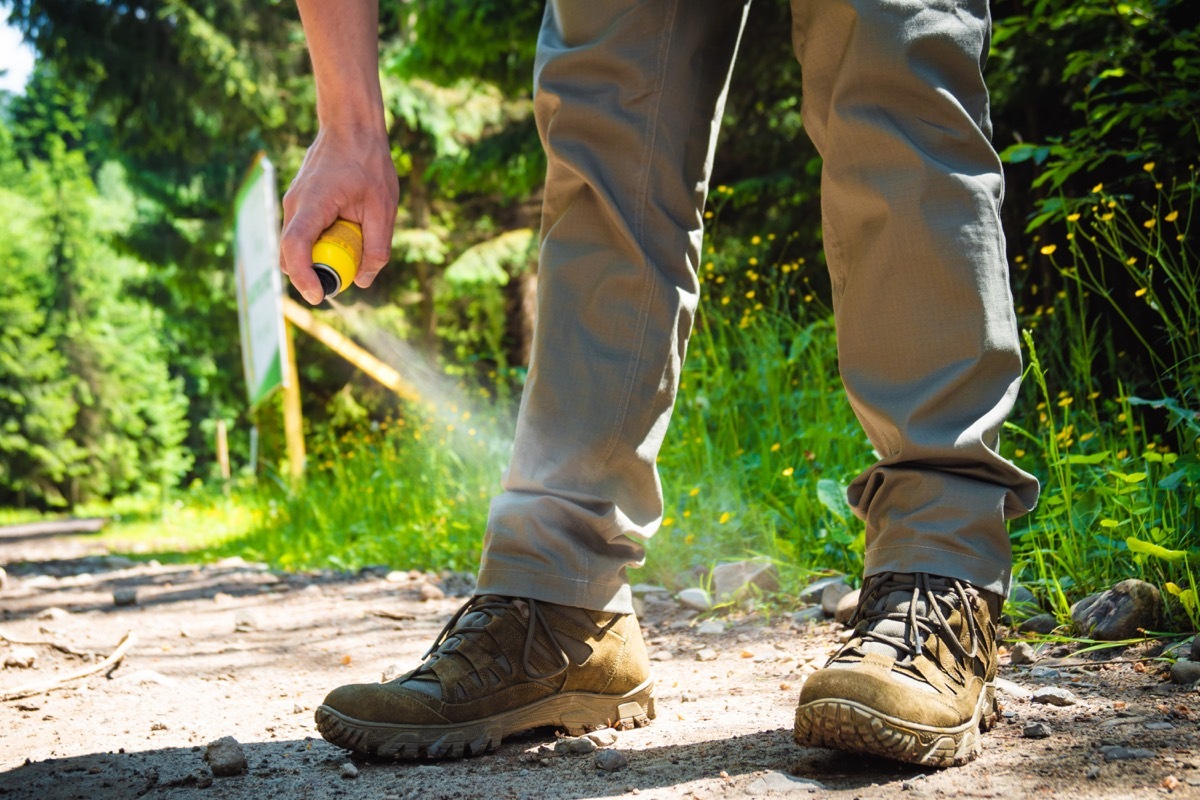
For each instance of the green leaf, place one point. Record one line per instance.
(1137, 545)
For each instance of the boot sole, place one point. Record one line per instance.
(847, 725)
(575, 712)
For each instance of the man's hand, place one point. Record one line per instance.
(348, 171)
(346, 174)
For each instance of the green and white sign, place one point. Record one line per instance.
(259, 282)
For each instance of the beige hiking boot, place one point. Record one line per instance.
(916, 682)
(500, 666)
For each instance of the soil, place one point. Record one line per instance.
(233, 649)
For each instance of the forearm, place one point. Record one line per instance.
(343, 44)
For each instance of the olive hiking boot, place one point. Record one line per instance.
(501, 665)
(916, 682)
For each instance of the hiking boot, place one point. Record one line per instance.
(916, 682)
(500, 666)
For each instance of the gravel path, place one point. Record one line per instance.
(235, 650)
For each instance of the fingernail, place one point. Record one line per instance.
(313, 298)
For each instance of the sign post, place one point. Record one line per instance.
(267, 355)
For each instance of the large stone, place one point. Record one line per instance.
(1042, 624)
(1022, 599)
(846, 607)
(1122, 612)
(1185, 672)
(832, 595)
(732, 582)
(811, 594)
(695, 598)
(225, 757)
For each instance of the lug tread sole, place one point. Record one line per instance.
(575, 712)
(846, 725)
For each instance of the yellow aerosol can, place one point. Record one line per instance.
(337, 255)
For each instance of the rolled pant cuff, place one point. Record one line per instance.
(978, 572)
(608, 597)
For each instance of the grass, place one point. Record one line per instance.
(763, 441)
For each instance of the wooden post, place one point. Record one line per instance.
(293, 421)
(223, 449)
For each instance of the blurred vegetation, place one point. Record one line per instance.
(120, 350)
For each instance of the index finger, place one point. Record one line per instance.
(295, 251)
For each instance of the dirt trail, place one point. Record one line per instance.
(235, 650)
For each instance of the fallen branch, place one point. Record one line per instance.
(38, 688)
(396, 615)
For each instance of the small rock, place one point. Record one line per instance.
(1185, 672)
(832, 595)
(1093, 772)
(21, 658)
(1021, 653)
(576, 746)
(245, 620)
(605, 737)
(1041, 623)
(710, 627)
(225, 757)
(734, 581)
(54, 613)
(125, 596)
(396, 576)
(807, 616)
(610, 760)
(811, 594)
(348, 771)
(1195, 654)
(298, 709)
(3, 579)
(707, 654)
(1159, 726)
(639, 606)
(429, 592)
(1114, 752)
(782, 782)
(222, 598)
(1036, 730)
(1054, 696)
(1044, 673)
(695, 598)
(662, 655)
(1021, 597)
(1122, 612)
(846, 607)
(390, 673)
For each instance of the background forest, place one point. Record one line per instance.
(120, 351)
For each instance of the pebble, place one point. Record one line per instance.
(1036, 730)
(695, 598)
(298, 709)
(125, 596)
(54, 613)
(391, 672)
(3, 579)
(1114, 752)
(21, 658)
(429, 592)
(576, 746)
(707, 654)
(222, 598)
(605, 737)
(245, 620)
(610, 760)
(782, 782)
(1054, 696)
(1185, 671)
(348, 771)
(1021, 653)
(1120, 612)
(662, 655)
(710, 627)
(225, 757)
(396, 576)
(1159, 726)
(1093, 772)
(1041, 623)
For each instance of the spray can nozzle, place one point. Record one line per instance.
(337, 255)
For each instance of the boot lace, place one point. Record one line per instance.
(492, 606)
(938, 594)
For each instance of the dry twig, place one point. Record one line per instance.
(38, 688)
